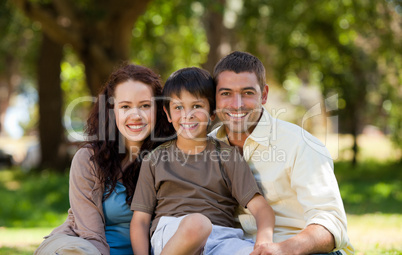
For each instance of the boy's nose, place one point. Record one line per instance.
(188, 114)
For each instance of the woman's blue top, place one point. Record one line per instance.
(118, 216)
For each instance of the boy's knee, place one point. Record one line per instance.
(196, 226)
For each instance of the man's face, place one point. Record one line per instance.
(239, 101)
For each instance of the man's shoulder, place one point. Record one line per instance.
(295, 132)
(214, 133)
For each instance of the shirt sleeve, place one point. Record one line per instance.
(242, 182)
(88, 218)
(313, 179)
(144, 198)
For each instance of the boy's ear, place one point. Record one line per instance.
(167, 114)
(212, 117)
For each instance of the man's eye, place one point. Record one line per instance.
(249, 93)
(225, 94)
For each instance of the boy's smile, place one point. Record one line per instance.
(189, 116)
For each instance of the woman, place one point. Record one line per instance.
(104, 172)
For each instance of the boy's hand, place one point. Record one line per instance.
(266, 249)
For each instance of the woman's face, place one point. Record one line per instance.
(135, 111)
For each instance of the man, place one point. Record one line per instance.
(297, 178)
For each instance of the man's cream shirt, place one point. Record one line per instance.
(296, 174)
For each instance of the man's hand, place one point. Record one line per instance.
(313, 239)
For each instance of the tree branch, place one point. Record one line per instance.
(49, 22)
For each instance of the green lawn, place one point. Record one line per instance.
(33, 204)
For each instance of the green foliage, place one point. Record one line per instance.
(19, 40)
(32, 199)
(170, 36)
(370, 187)
(349, 48)
(75, 91)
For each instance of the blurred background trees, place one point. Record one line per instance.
(62, 50)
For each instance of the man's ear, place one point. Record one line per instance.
(265, 94)
(167, 114)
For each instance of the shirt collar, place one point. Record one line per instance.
(261, 133)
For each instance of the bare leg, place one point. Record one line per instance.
(190, 237)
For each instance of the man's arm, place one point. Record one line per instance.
(265, 219)
(139, 232)
(313, 239)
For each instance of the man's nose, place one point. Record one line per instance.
(237, 101)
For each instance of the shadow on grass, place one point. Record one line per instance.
(370, 187)
(33, 199)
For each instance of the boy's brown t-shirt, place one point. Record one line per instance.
(172, 183)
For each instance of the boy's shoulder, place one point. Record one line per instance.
(221, 146)
(164, 146)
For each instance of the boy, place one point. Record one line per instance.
(193, 184)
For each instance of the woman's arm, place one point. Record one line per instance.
(139, 232)
(85, 194)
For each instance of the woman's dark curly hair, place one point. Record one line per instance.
(105, 138)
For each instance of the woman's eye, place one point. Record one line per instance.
(125, 107)
(178, 107)
(197, 106)
(145, 106)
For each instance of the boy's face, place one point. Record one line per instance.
(189, 116)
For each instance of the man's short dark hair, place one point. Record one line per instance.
(196, 81)
(238, 62)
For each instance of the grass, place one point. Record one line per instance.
(32, 199)
(370, 187)
(34, 203)
(376, 233)
(21, 241)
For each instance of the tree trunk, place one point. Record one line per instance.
(213, 23)
(50, 105)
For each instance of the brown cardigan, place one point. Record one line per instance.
(85, 217)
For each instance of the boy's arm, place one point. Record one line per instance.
(265, 219)
(139, 232)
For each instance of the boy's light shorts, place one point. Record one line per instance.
(222, 240)
(62, 244)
